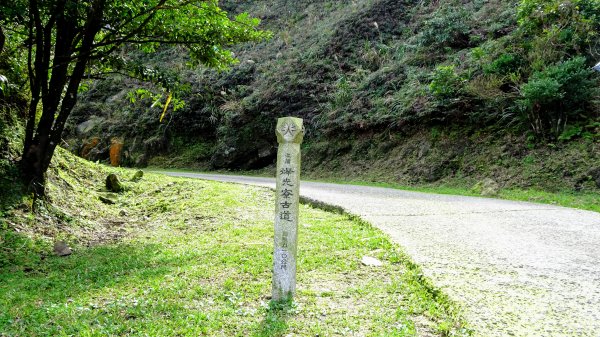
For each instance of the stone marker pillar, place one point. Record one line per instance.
(290, 133)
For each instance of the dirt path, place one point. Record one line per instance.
(518, 269)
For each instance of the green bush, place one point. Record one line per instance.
(504, 64)
(560, 94)
(445, 82)
(559, 27)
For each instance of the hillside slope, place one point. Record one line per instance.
(401, 91)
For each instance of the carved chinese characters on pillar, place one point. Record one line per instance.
(290, 133)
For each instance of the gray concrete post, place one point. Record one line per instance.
(290, 133)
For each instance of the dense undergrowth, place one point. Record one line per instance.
(455, 158)
(484, 89)
(491, 72)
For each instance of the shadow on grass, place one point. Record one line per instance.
(12, 190)
(57, 280)
(41, 299)
(18, 252)
(275, 321)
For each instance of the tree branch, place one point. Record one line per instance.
(150, 12)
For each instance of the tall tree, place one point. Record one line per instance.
(68, 40)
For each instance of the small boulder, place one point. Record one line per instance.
(113, 184)
(487, 187)
(137, 176)
(371, 261)
(62, 249)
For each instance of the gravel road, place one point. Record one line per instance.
(517, 268)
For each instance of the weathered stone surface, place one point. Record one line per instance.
(236, 151)
(84, 128)
(116, 151)
(87, 147)
(113, 184)
(62, 249)
(487, 187)
(290, 133)
(371, 261)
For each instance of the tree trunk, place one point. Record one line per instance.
(2, 40)
(54, 83)
(33, 172)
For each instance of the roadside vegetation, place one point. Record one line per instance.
(448, 96)
(427, 91)
(585, 201)
(171, 256)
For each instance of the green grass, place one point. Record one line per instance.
(182, 257)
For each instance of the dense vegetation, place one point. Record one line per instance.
(66, 41)
(403, 91)
(408, 92)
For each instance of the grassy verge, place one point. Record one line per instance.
(586, 201)
(180, 257)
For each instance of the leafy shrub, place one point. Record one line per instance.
(589, 131)
(504, 64)
(561, 26)
(580, 16)
(558, 95)
(445, 82)
(570, 132)
(342, 96)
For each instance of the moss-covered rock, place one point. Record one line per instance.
(487, 187)
(113, 184)
(137, 175)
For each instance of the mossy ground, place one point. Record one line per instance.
(187, 258)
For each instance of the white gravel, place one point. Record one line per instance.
(517, 269)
